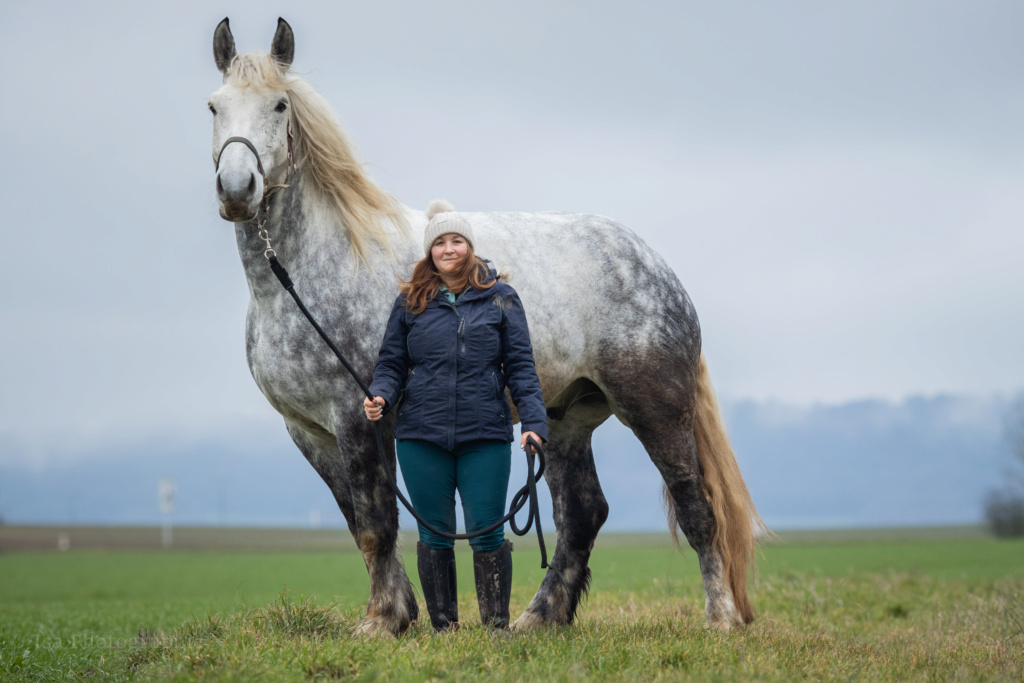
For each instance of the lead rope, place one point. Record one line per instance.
(527, 492)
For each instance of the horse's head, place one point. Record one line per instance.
(250, 121)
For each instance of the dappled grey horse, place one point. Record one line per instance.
(614, 333)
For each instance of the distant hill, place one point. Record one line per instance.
(924, 461)
(870, 463)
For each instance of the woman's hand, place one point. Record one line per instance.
(374, 409)
(535, 436)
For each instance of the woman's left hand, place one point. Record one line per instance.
(535, 436)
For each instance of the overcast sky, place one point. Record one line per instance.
(838, 185)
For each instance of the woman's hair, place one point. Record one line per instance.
(426, 281)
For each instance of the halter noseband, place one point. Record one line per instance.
(247, 143)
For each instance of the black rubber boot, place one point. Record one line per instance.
(493, 573)
(440, 591)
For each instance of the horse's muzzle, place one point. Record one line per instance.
(239, 195)
(238, 212)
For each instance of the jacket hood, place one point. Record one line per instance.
(490, 269)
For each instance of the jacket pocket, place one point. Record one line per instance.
(403, 397)
(499, 395)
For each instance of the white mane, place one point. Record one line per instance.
(323, 148)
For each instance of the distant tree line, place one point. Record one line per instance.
(1004, 508)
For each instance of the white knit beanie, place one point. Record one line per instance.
(443, 220)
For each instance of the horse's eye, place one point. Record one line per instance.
(214, 111)
(281, 106)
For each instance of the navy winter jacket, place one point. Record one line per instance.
(450, 365)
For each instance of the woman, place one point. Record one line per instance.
(455, 339)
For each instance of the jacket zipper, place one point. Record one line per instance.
(451, 397)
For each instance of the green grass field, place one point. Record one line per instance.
(873, 606)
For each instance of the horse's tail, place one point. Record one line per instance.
(736, 519)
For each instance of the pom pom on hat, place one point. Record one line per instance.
(443, 220)
(439, 206)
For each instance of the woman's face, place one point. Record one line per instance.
(449, 251)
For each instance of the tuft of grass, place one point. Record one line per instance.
(302, 618)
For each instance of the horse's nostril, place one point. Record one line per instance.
(220, 185)
(252, 183)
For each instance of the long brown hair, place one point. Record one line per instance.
(426, 281)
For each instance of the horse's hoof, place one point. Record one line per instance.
(377, 627)
(723, 622)
(722, 615)
(718, 625)
(528, 621)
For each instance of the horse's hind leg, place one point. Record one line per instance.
(372, 516)
(674, 452)
(662, 415)
(580, 509)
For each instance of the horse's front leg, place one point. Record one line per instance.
(354, 476)
(374, 526)
(580, 509)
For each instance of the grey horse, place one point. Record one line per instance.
(614, 333)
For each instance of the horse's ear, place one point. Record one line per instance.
(223, 46)
(282, 48)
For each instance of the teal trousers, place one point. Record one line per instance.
(478, 470)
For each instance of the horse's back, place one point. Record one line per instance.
(588, 269)
(592, 290)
